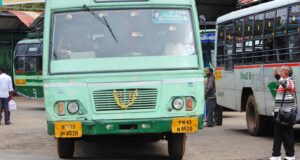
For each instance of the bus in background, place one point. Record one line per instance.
(208, 47)
(122, 68)
(27, 70)
(250, 43)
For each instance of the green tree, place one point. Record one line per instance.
(25, 7)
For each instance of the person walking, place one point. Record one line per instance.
(210, 97)
(6, 89)
(284, 134)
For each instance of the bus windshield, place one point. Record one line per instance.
(28, 58)
(122, 33)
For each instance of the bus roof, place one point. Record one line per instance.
(255, 9)
(207, 30)
(29, 41)
(58, 4)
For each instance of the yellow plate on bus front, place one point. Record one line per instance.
(184, 125)
(68, 129)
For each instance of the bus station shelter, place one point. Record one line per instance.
(212, 9)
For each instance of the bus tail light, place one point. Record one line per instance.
(189, 103)
(61, 108)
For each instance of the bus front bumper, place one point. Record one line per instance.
(141, 126)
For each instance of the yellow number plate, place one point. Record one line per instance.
(184, 125)
(68, 130)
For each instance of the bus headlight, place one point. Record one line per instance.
(178, 103)
(73, 107)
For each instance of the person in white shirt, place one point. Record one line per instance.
(6, 89)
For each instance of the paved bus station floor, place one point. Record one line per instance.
(26, 138)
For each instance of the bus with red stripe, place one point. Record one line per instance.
(250, 43)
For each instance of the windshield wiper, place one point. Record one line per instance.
(105, 22)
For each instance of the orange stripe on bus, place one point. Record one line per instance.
(265, 66)
(281, 64)
(219, 68)
(20, 71)
(246, 67)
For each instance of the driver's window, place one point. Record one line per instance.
(31, 63)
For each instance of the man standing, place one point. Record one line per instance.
(210, 97)
(5, 92)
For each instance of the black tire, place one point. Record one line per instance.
(176, 146)
(255, 123)
(65, 148)
(219, 115)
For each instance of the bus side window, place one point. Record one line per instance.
(269, 37)
(248, 43)
(281, 26)
(229, 46)
(258, 41)
(268, 47)
(259, 25)
(220, 44)
(294, 19)
(258, 47)
(239, 38)
(293, 41)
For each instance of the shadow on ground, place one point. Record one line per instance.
(33, 108)
(245, 132)
(120, 150)
(228, 116)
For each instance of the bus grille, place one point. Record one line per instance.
(105, 101)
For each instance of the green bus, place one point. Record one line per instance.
(28, 68)
(122, 68)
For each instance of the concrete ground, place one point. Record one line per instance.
(26, 139)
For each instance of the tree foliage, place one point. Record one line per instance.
(25, 7)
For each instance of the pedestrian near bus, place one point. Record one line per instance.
(210, 97)
(284, 134)
(6, 89)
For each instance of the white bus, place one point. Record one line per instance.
(250, 43)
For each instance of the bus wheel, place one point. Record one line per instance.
(176, 146)
(65, 147)
(219, 115)
(255, 122)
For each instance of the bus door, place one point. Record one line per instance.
(228, 78)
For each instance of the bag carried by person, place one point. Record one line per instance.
(287, 117)
(12, 106)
